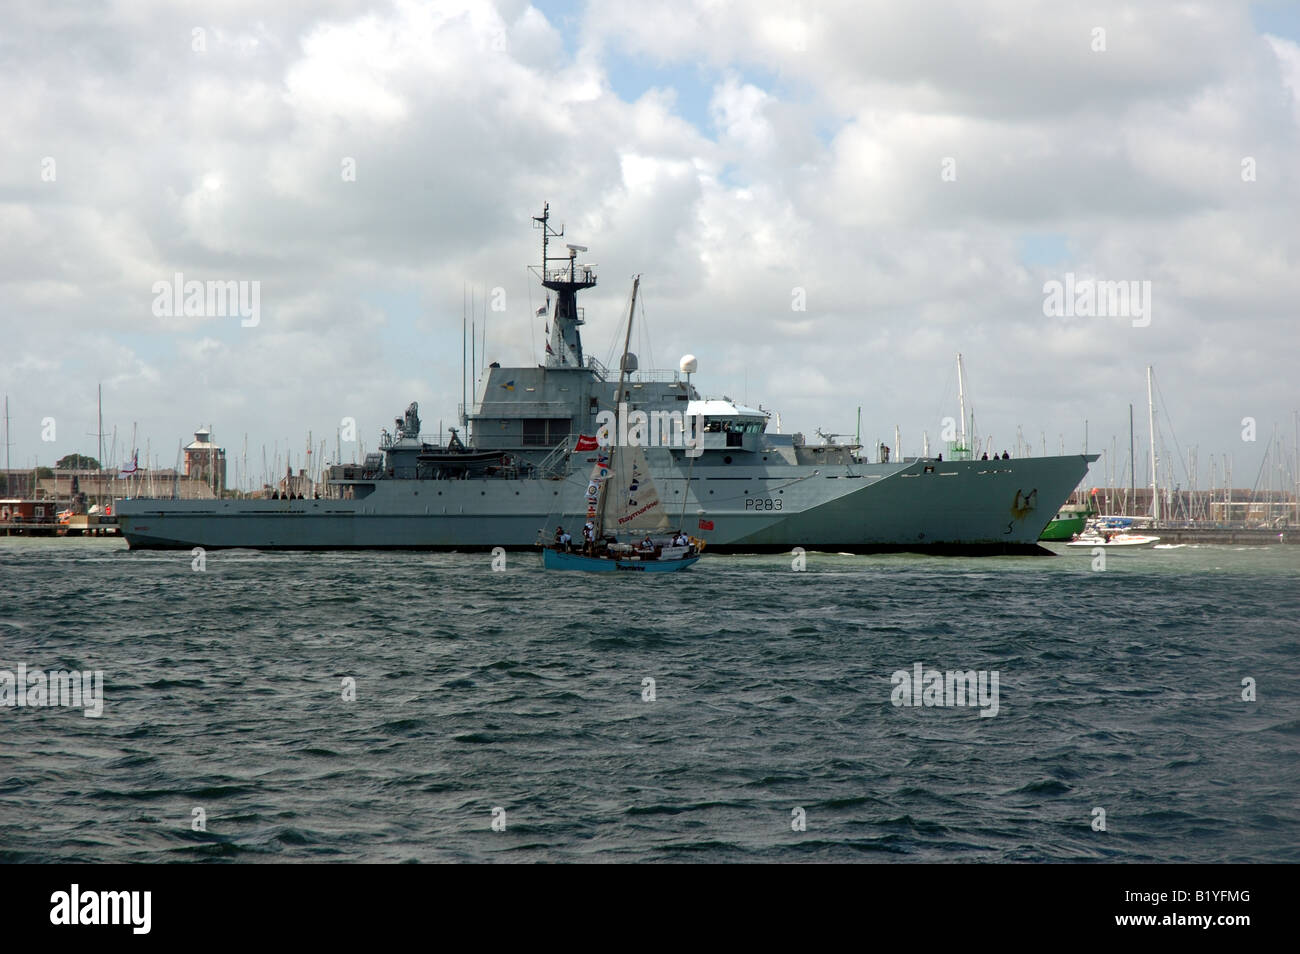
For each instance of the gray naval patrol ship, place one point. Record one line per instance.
(529, 461)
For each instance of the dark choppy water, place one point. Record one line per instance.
(523, 689)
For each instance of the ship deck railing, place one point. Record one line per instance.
(518, 409)
(566, 274)
(654, 377)
(649, 376)
(556, 464)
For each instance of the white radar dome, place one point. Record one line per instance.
(688, 364)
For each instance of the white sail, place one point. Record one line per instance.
(634, 505)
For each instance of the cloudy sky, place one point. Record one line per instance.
(913, 173)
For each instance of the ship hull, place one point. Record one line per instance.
(1064, 528)
(931, 506)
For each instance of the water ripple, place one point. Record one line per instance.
(391, 707)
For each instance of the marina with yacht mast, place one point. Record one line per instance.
(83, 499)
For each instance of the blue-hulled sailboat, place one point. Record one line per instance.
(622, 498)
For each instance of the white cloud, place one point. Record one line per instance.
(821, 171)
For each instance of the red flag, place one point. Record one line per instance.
(586, 443)
(706, 524)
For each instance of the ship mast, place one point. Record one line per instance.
(618, 398)
(564, 349)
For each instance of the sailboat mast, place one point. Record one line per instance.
(627, 338)
(1227, 489)
(961, 398)
(1151, 420)
(99, 483)
(618, 399)
(464, 355)
(1132, 472)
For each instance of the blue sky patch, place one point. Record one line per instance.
(1043, 249)
(1278, 17)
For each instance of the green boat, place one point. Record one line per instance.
(1069, 520)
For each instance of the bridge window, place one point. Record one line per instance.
(744, 426)
(545, 432)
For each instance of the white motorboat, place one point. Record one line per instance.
(1113, 540)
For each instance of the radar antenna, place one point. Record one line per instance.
(564, 347)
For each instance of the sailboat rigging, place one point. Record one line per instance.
(626, 500)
